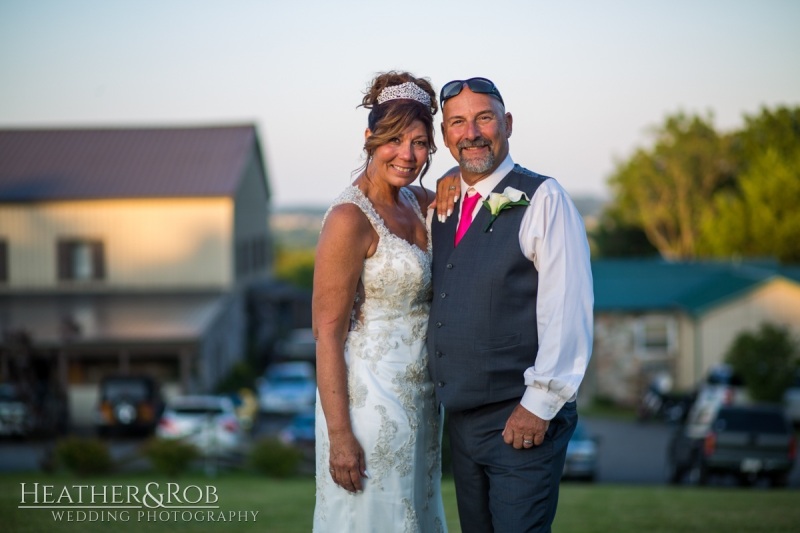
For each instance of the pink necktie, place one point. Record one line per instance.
(466, 213)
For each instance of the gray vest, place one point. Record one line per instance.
(482, 329)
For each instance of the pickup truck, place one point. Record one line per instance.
(750, 442)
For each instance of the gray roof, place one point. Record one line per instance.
(76, 164)
(638, 285)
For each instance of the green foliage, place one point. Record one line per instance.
(699, 193)
(295, 267)
(614, 237)
(777, 129)
(273, 458)
(241, 375)
(765, 360)
(761, 218)
(83, 456)
(170, 457)
(667, 189)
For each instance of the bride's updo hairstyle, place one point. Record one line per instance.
(395, 100)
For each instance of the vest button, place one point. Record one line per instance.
(438, 353)
(440, 384)
(438, 324)
(443, 295)
(449, 266)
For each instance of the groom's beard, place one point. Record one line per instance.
(478, 165)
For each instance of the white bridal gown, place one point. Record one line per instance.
(392, 406)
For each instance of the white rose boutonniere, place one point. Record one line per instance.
(497, 202)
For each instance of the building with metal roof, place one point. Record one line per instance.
(129, 250)
(654, 316)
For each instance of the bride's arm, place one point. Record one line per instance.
(347, 238)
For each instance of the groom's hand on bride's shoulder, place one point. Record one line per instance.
(448, 191)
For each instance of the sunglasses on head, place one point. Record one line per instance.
(476, 85)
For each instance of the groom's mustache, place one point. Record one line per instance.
(477, 143)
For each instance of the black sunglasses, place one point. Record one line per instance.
(476, 85)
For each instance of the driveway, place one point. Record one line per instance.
(635, 452)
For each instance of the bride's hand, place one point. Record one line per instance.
(347, 465)
(448, 191)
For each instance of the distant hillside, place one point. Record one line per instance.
(299, 226)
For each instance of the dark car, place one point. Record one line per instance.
(750, 442)
(129, 405)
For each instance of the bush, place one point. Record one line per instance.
(170, 457)
(241, 375)
(83, 456)
(273, 458)
(765, 360)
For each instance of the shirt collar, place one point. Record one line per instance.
(487, 184)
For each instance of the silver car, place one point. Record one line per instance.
(208, 422)
(581, 461)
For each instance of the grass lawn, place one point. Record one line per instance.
(286, 506)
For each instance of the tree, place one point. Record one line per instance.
(765, 360)
(614, 237)
(759, 217)
(777, 129)
(698, 193)
(668, 189)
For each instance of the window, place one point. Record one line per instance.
(251, 255)
(655, 336)
(80, 260)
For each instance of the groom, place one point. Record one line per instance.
(510, 331)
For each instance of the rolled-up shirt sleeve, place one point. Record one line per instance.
(552, 235)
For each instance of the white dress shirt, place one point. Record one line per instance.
(553, 237)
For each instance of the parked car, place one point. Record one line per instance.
(581, 462)
(750, 442)
(721, 387)
(300, 431)
(287, 387)
(128, 404)
(16, 416)
(206, 421)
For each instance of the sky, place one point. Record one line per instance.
(586, 81)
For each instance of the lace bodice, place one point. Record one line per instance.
(397, 278)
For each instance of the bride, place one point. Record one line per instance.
(378, 429)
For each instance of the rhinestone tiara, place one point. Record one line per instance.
(409, 90)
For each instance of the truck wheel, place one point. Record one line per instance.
(780, 481)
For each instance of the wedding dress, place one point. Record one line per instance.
(392, 407)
